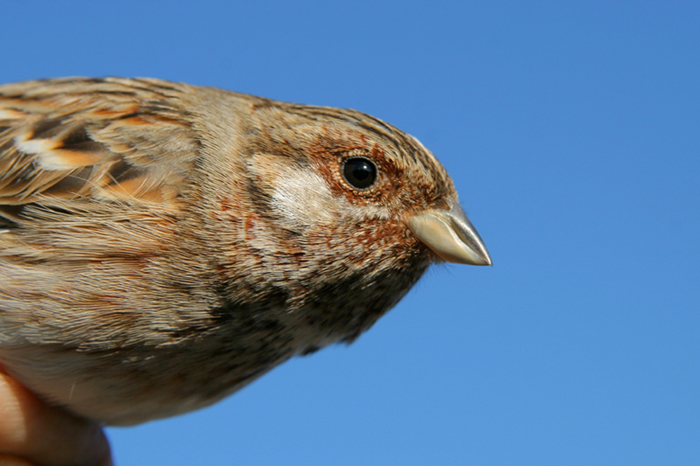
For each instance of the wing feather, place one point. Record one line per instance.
(107, 140)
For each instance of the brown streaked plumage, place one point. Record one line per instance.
(162, 245)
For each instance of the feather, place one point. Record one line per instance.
(110, 140)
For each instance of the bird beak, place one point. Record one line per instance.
(450, 235)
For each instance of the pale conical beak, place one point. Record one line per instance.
(450, 235)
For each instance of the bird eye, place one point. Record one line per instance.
(359, 172)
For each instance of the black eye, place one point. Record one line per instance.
(359, 172)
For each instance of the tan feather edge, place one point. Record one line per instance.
(95, 139)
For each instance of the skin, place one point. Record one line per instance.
(33, 433)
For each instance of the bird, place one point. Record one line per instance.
(162, 245)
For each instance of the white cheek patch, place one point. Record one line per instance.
(303, 197)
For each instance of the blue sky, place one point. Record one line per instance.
(572, 132)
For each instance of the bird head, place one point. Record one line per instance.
(344, 213)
